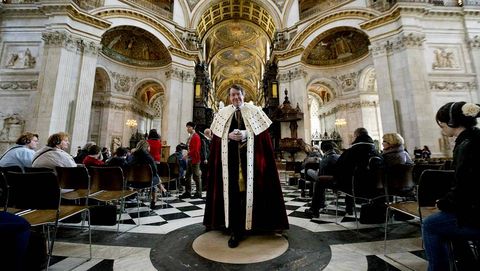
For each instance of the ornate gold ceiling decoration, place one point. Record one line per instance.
(236, 52)
(236, 9)
(336, 46)
(135, 46)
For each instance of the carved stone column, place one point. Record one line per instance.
(401, 77)
(66, 86)
(474, 47)
(178, 108)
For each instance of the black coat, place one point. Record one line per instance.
(464, 199)
(355, 161)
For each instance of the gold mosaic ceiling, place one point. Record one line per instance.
(236, 51)
(236, 35)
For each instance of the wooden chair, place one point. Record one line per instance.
(38, 169)
(174, 169)
(433, 184)
(36, 197)
(108, 185)
(398, 180)
(369, 189)
(76, 179)
(307, 182)
(4, 189)
(139, 178)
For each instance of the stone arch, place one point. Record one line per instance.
(344, 17)
(337, 46)
(146, 90)
(368, 80)
(102, 81)
(127, 16)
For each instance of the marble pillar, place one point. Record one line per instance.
(178, 109)
(65, 86)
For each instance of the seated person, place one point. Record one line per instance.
(354, 162)
(54, 154)
(393, 150)
(94, 157)
(119, 159)
(313, 156)
(141, 156)
(22, 153)
(326, 167)
(82, 153)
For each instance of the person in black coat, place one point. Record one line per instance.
(355, 161)
(459, 216)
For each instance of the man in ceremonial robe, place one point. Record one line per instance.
(243, 192)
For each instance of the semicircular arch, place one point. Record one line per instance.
(102, 80)
(125, 16)
(342, 17)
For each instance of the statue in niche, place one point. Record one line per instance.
(28, 60)
(12, 127)
(116, 143)
(443, 59)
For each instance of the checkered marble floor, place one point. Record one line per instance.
(171, 213)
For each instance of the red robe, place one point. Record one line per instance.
(269, 211)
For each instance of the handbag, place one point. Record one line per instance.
(372, 212)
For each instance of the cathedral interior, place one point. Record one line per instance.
(110, 70)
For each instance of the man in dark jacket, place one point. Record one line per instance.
(354, 162)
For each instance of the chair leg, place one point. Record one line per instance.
(387, 214)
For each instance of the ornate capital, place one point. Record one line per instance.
(181, 74)
(19, 85)
(412, 40)
(294, 74)
(70, 42)
(397, 43)
(474, 42)
(123, 82)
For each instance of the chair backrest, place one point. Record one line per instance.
(106, 178)
(433, 185)
(368, 180)
(174, 169)
(11, 168)
(163, 170)
(33, 190)
(141, 173)
(418, 169)
(3, 191)
(399, 178)
(38, 169)
(73, 177)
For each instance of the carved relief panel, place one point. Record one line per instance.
(444, 58)
(19, 56)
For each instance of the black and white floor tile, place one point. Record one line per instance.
(162, 238)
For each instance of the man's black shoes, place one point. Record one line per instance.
(197, 196)
(233, 241)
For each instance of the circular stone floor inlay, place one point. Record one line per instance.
(213, 245)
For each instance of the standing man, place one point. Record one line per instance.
(244, 190)
(22, 153)
(193, 163)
